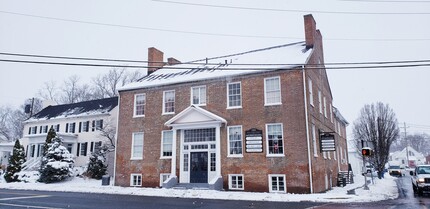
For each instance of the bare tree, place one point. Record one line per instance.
(11, 126)
(106, 85)
(108, 131)
(49, 91)
(419, 142)
(377, 125)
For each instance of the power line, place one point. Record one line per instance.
(386, 1)
(205, 33)
(291, 10)
(199, 62)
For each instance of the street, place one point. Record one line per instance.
(13, 199)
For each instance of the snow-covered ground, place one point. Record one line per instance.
(381, 189)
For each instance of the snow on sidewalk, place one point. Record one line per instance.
(382, 189)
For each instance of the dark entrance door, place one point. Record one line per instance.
(199, 167)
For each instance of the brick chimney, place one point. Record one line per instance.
(310, 31)
(155, 59)
(173, 61)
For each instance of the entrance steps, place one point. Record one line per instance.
(195, 186)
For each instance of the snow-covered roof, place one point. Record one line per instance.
(339, 116)
(92, 107)
(288, 56)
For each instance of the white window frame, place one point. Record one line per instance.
(276, 91)
(135, 182)
(331, 112)
(164, 102)
(267, 141)
(230, 182)
(311, 92)
(228, 95)
(320, 101)
(314, 140)
(228, 142)
(162, 156)
(277, 176)
(133, 148)
(325, 106)
(135, 105)
(164, 176)
(201, 98)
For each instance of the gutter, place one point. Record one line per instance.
(307, 130)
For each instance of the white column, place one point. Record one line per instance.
(173, 164)
(218, 150)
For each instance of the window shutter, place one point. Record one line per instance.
(29, 130)
(88, 126)
(80, 125)
(85, 148)
(40, 130)
(67, 127)
(35, 129)
(79, 149)
(92, 147)
(94, 125)
(101, 124)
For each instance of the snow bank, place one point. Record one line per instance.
(382, 189)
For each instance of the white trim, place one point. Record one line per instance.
(164, 102)
(311, 92)
(228, 141)
(267, 141)
(132, 145)
(270, 182)
(314, 140)
(320, 101)
(307, 129)
(215, 118)
(230, 181)
(191, 95)
(265, 91)
(134, 105)
(138, 175)
(228, 95)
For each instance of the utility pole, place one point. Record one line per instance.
(407, 144)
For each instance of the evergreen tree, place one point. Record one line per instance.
(51, 134)
(57, 163)
(15, 162)
(97, 166)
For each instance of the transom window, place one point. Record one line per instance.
(272, 88)
(137, 146)
(277, 183)
(198, 95)
(136, 180)
(235, 140)
(169, 102)
(235, 181)
(275, 145)
(166, 147)
(139, 104)
(234, 95)
(199, 135)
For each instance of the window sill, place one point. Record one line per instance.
(315, 155)
(275, 155)
(235, 156)
(138, 116)
(234, 107)
(141, 158)
(237, 189)
(165, 157)
(272, 104)
(168, 113)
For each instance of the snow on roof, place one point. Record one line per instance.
(92, 107)
(339, 116)
(288, 56)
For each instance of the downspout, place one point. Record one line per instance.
(307, 130)
(116, 140)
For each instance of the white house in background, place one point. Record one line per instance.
(6, 149)
(408, 153)
(78, 124)
(355, 158)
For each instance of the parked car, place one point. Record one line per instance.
(421, 179)
(395, 170)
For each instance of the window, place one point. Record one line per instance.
(272, 88)
(186, 162)
(69, 147)
(234, 95)
(44, 129)
(85, 126)
(168, 102)
(70, 127)
(163, 178)
(57, 128)
(139, 105)
(83, 150)
(32, 130)
(166, 143)
(137, 146)
(325, 107)
(235, 141)
(311, 93)
(235, 181)
(99, 124)
(275, 147)
(198, 95)
(331, 113)
(320, 101)
(213, 162)
(314, 141)
(136, 179)
(277, 183)
(199, 135)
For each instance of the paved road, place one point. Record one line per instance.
(407, 199)
(13, 199)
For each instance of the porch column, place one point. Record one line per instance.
(218, 150)
(173, 163)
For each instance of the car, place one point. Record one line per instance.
(395, 170)
(421, 179)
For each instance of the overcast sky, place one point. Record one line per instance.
(353, 31)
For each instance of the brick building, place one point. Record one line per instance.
(246, 127)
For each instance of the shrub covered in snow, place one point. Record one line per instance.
(97, 165)
(15, 163)
(57, 163)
